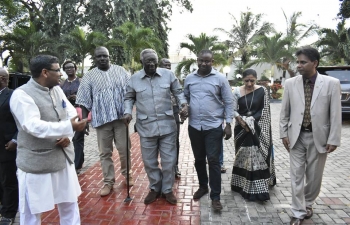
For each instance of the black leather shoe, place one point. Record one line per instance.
(200, 192)
(151, 197)
(216, 204)
(296, 221)
(309, 213)
(170, 197)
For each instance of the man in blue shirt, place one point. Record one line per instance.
(210, 100)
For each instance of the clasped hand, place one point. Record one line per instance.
(63, 142)
(126, 119)
(227, 132)
(183, 113)
(11, 146)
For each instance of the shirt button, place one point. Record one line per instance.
(302, 113)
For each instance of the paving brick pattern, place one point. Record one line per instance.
(332, 206)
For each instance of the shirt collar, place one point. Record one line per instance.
(2, 90)
(312, 79)
(143, 73)
(71, 81)
(212, 72)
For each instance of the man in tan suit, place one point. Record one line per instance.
(310, 128)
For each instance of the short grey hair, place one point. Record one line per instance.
(147, 50)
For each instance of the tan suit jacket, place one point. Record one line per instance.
(325, 111)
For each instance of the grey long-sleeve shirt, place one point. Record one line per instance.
(151, 95)
(210, 98)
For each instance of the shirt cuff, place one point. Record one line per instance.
(14, 141)
(228, 120)
(127, 111)
(69, 128)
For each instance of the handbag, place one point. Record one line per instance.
(80, 114)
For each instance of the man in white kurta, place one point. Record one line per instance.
(46, 124)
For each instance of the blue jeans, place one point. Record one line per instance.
(207, 144)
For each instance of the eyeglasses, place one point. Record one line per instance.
(56, 70)
(69, 67)
(252, 81)
(154, 61)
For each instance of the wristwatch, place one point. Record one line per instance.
(228, 124)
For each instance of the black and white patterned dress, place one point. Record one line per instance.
(253, 169)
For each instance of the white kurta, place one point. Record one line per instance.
(44, 190)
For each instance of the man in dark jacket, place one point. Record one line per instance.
(8, 146)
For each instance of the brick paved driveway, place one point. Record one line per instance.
(332, 206)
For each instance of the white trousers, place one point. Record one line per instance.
(68, 211)
(306, 171)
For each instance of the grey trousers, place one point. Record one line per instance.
(159, 179)
(305, 162)
(106, 134)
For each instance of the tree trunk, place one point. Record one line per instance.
(82, 68)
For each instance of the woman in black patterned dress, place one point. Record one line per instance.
(253, 169)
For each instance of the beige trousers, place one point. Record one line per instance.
(106, 134)
(306, 171)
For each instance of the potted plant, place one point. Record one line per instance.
(264, 80)
(274, 89)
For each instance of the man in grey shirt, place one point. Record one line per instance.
(210, 98)
(150, 89)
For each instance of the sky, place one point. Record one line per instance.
(210, 14)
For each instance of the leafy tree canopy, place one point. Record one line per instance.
(57, 18)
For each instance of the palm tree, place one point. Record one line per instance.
(334, 44)
(80, 44)
(24, 43)
(199, 43)
(296, 32)
(272, 50)
(243, 33)
(134, 39)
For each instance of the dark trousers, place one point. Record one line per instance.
(9, 186)
(78, 142)
(177, 143)
(207, 144)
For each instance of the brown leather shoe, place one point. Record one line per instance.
(216, 204)
(151, 197)
(296, 221)
(106, 189)
(170, 197)
(309, 213)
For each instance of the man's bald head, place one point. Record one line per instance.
(165, 63)
(4, 72)
(4, 78)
